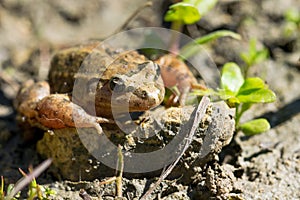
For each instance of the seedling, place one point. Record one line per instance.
(35, 190)
(292, 26)
(241, 93)
(185, 13)
(189, 12)
(253, 56)
(236, 88)
(8, 190)
(192, 48)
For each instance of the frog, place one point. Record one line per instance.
(107, 77)
(110, 74)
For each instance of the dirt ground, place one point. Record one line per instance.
(265, 166)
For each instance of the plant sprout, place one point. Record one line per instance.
(253, 56)
(237, 89)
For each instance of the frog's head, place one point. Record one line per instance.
(138, 90)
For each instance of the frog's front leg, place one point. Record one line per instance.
(53, 111)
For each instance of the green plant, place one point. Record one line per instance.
(192, 48)
(8, 190)
(189, 12)
(292, 18)
(35, 191)
(241, 93)
(253, 56)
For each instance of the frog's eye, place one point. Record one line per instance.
(116, 84)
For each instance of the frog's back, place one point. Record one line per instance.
(66, 63)
(89, 61)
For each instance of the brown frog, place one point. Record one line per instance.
(97, 73)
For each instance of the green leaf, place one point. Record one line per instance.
(228, 96)
(225, 94)
(258, 96)
(207, 92)
(245, 107)
(251, 84)
(10, 188)
(292, 15)
(232, 78)
(261, 55)
(192, 48)
(217, 34)
(246, 58)
(203, 6)
(255, 126)
(254, 55)
(183, 12)
(254, 90)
